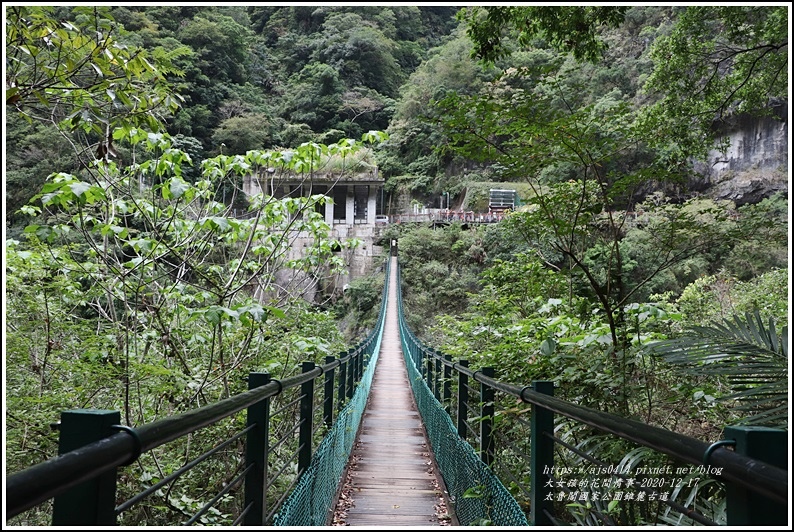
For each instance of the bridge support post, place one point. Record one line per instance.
(744, 507)
(256, 451)
(541, 457)
(463, 400)
(93, 502)
(328, 399)
(486, 420)
(306, 413)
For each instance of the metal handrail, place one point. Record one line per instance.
(44, 481)
(751, 474)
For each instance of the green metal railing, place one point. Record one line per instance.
(513, 479)
(754, 475)
(477, 495)
(310, 503)
(94, 447)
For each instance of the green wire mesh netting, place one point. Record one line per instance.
(311, 499)
(487, 501)
(477, 495)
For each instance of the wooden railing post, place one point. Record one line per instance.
(92, 502)
(256, 450)
(541, 457)
(306, 413)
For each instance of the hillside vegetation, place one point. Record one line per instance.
(132, 285)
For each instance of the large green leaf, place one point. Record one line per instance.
(748, 353)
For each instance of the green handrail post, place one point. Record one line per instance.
(437, 376)
(744, 507)
(463, 399)
(541, 458)
(328, 402)
(341, 394)
(429, 372)
(351, 373)
(360, 364)
(487, 414)
(256, 451)
(92, 502)
(448, 384)
(306, 410)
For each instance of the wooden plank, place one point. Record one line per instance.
(391, 475)
(379, 520)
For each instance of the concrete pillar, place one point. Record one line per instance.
(372, 206)
(349, 205)
(329, 210)
(263, 180)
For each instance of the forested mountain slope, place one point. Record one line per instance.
(625, 276)
(277, 76)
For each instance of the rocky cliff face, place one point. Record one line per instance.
(755, 165)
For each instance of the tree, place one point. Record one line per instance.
(414, 132)
(572, 29)
(360, 53)
(317, 97)
(33, 151)
(136, 291)
(717, 63)
(242, 133)
(73, 70)
(363, 101)
(220, 44)
(574, 154)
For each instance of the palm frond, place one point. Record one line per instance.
(749, 353)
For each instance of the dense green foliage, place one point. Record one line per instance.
(228, 78)
(133, 283)
(139, 292)
(716, 63)
(567, 28)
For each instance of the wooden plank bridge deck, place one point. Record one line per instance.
(392, 478)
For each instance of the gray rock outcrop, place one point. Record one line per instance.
(755, 165)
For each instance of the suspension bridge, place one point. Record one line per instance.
(395, 433)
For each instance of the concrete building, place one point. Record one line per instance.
(356, 201)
